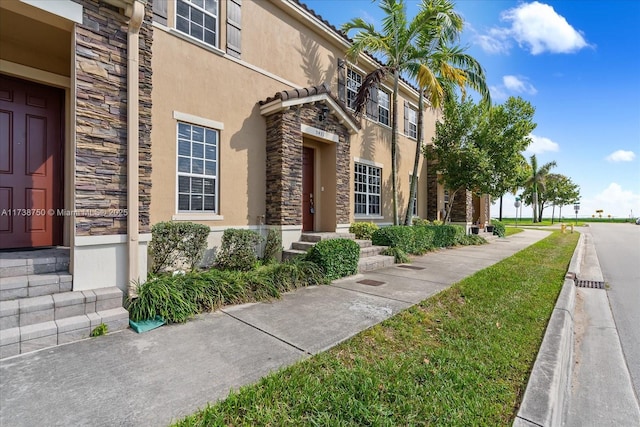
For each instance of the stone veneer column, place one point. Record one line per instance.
(462, 209)
(432, 191)
(101, 120)
(284, 169)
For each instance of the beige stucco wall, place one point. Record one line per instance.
(280, 50)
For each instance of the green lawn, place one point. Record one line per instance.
(580, 222)
(460, 358)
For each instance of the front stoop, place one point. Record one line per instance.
(38, 309)
(370, 256)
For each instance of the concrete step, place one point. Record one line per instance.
(371, 251)
(291, 253)
(32, 323)
(30, 262)
(33, 285)
(316, 237)
(374, 262)
(24, 339)
(363, 243)
(302, 246)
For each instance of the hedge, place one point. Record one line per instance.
(337, 257)
(418, 239)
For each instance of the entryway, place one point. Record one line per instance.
(31, 168)
(308, 185)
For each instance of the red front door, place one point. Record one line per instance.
(30, 164)
(308, 202)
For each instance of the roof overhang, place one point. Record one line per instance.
(343, 117)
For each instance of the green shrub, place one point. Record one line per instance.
(176, 243)
(337, 257)
(272, 247)
(163, 296)
(400, 256)
(399, 236)
(238, 250)
(472, 239)
(420, 221)
(100, 330)
(363, 230)
(498, 228)
(447, 235)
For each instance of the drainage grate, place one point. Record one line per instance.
(593, 284)
(411, 267)
(370, 282)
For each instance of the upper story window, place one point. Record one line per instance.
(383, 107)
(199, 19)
(354, 81)
(410, 121)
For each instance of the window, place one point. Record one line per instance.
(354, 81)
(367, 189)
(383, 107)
(199, 19)
(412, 122)
(197, 168)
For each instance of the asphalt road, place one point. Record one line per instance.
(618, 250)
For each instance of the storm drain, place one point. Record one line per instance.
(370, 282)
(592, 284)
(411, 267)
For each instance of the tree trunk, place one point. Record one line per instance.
(414, 177)
(394, 143)
(535, 205)
(553, 213)
(500, 219)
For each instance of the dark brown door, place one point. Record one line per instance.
(308, 202)
(30, 164)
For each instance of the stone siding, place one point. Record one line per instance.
(101, 120)
(462, 209)
(432, 191)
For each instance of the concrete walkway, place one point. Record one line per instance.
(152, 379)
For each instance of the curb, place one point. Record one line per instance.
(545, 399)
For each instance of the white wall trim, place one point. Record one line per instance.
(63, 8)
(196, 217)
(319, 133)
(108, 240)
(41, 76)
(190, 118)
(368, 162)
(376, 217)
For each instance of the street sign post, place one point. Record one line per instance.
(576, 207)
(517, 204)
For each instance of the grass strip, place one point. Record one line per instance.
(460, 358)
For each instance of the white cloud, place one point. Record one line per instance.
(498, 93)
(518, 85)
(534, 26)
(621, 156)
(614, 201)
(541, 144)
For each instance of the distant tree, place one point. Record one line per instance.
(559, 191)
(504, 135)
(535, 183)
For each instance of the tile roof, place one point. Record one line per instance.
(299, 93)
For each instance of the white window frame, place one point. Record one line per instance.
(201, 7)
(353, 83)
(412, 131)
(369, 168)
(206, 125)
(382, 108)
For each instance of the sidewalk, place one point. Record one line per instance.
(151, 379)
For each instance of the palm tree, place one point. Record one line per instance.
(395, 46)
(445, 69)
(536, 181)
(420, 48)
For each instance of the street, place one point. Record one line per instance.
(618, 250)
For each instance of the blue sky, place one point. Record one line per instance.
(578, 64)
